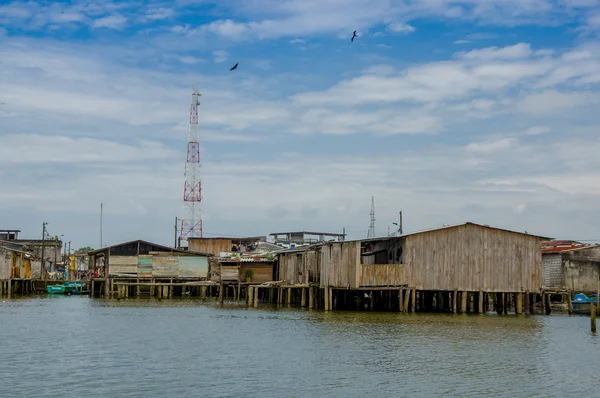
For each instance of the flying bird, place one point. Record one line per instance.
(234, 67)
(353, 36)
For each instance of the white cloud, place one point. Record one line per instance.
(111, 22)
(550, 102)
(537, 130)
(461, 42)
(520, 50)
(401, 28)
(492, 146)
(220, 56)
(160, 13)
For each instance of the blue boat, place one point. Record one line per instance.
(69, 288)
(582, 303)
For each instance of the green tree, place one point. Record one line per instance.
(84, 250)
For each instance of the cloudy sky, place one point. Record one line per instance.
(449, 110)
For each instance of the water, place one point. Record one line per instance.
(76, 346)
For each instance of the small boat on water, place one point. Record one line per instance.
(582, 303)
(69, 288)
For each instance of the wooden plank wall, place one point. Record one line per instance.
(471, 258)
(163, 266)
(212, 246)
(262, 272)
(384, 275)
(123, 266)
(340, 265)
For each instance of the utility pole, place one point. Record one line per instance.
(175, 241)
(42, 273)
(400, 225)
(101, 208)
(55, 244)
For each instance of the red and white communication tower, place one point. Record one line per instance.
(191, 222)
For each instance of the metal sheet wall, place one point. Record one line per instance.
(193, 267)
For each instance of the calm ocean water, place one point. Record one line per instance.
(79, 347)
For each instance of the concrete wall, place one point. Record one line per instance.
(581, 269)
(552, 272)
(5, 263)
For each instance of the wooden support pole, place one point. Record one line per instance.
(519, 304)
(463, 302)
(311, 298)
(570, 303)
(331, 306)
(548, 307)
(455, 301)
(531, 302)
(256, 291)
(526, 303)
(203, 292)
(406, 300)
(543, 302)
(303, 300)
(504, 302)
(221, 293)
(250, 295)
(401, 300)
(326, 291)
(593, 317)
(413, 301)
(480, 302)
(280, 295)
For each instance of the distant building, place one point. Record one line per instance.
(52, 253)
(293, 239)
(570, 265)
(9, 234)
(14, 263)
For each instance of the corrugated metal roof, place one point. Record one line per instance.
(165, 248)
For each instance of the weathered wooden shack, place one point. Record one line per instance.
(15, 270)
(149, 264)
(475, 262)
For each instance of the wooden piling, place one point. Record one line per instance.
(331, 303)
(413, 301)
(480, 302)
(326, 291)
(401, 300)
(548, 307)
(543, 302)
(311, 298)
(519, 304)
(256, 292)
(221, 293)
(593, 317)
(455, 301)
(303, 299)
(463, 302)
(570, 303)
(250, 295)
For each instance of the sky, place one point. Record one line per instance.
(447, 110)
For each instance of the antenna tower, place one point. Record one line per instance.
(371, 233)
(191, 222)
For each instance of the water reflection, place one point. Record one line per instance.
(81, 347)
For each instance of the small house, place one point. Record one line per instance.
(144, 260)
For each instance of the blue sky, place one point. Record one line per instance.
(450, 111)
